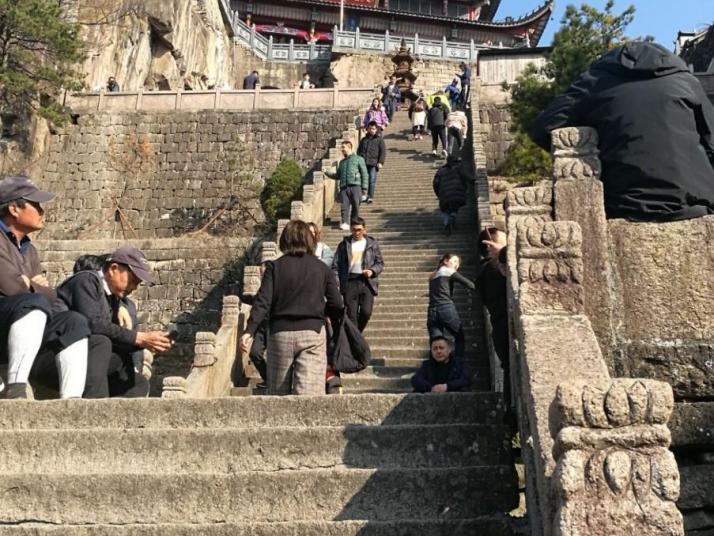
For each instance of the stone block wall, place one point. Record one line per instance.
(496, 132)
(281, 75)
(170, 172)
(193, 276)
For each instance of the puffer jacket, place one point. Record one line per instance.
(450, 185)
(351, 171)
(436, 116)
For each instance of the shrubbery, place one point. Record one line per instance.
(282, 188)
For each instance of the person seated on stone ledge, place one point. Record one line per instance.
(96, 295)
(655, 127)
(443, 371)
(50, 348)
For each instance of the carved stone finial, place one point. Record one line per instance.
(204, 349)
(575, 153)
(308, 194)
(318, 180)
(550, 267)
(173, 387)
(269, 252)
(534, 201)
(297, 212)
(614, 473)
(281, 226)
(231, 311)
(251, 279)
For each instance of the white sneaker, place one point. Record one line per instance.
(433, 153)
(364, 198)
(345, 227)
(444, 153)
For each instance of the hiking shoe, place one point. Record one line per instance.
(345, 227)
(16, 391)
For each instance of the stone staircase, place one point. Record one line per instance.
(405, 220)
(384, 463)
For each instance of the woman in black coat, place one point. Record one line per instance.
(450, 186)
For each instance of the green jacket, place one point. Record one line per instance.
(352, 171)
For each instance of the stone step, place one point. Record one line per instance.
(175, 451)
(476, 366)
(402, 385)
(264, 411)
(486, 525)
(300, 495)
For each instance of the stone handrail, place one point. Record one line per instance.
(214, 363)
(594, 447)
(258, 99)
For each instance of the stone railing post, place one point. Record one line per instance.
(615, 475)
(269, 252)
(297, 210)
(173, 387)
(231, 311)
(204, 349)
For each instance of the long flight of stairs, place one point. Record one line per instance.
(385, 463)
(405, 219)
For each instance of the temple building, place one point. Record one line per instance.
(455, 20)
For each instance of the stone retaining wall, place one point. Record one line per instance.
(170, 172)
(496, 132)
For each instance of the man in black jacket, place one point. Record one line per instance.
(655, 127)
(358, 263)
(95, 295)
(450, 186)
(372, 149)
(436, 123)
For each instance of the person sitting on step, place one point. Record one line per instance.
(443, 372)
(34, 341)
(97, 295)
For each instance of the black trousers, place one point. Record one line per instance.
(438, 133)
(257, 351)
(110, 372)
(359, 301)
(350, 196)
(61, 331)
(455, 141)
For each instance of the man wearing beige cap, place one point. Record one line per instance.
(96, 295)
(51, 347)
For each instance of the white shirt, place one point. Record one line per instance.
(358, 247)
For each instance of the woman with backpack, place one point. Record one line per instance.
(417, 114)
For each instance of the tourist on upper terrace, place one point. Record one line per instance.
(358, 263)
(374, 152)
(453, 93)
(98, 296)
(443, 372)
(251, 80)
(298, 291)
(465, 77)
(52, 348)
(352, 181)
(305, 82)
(375, 113)
(322, 250)
(450, 186)
(392, 96)
(655, 127)
(112, 85)
(417, 114)
(442, 316)
(436, 122)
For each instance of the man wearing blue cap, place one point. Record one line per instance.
(96, 295)
(33, 340)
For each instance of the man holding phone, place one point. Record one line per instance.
(101, 296)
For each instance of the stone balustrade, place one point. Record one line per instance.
(220, 99)
(594, 447)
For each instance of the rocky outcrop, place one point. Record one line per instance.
(153, 44)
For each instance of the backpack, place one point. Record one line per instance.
(350, 350)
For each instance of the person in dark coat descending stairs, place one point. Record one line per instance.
(655, 127)
(450, 186)
(374, 152)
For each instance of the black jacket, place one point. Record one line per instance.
(436, 116)
(297, 292)
(372, 149)
(454, 373)
(84, 293)
(450, 186)
(441, 287)
(492, 288)
(655, 126)
(372, 260)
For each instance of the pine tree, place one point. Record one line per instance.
(584, 35)
(39, 51)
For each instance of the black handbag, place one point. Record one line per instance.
(350, 350)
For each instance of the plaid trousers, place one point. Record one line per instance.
(297, 361)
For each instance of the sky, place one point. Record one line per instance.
(659, 18)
